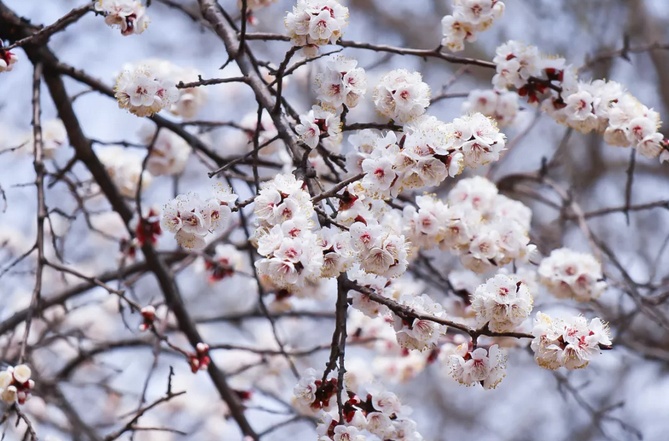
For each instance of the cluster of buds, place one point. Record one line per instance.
(7, 59)
(200, 360)
(15, 384)
(148, 317)
(148, 228)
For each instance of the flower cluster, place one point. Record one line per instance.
(141, 92)
(341, 83)
(418, 333)
(316, 23)
(605, 107)
(570, 274)
(190, 99)
(485, 228)
(569, 343)
(376, 235)
(338, 252)
(401, 95)
(200, 360)
(380, 250)
(362, 302)
(478, 138)
(285, 236)
(148, 228)
(375, 156)
(484, 366)
(169, 152)
(495, 226)
(128, 15)
(469, 17)
(319, 124)
(500, 105)
(428, 152)
(312, 394)
(280, 200)
(503, 302)
(391, 361)
(125, 170)
(425, 225)
(370, 413)
(7, 59)
(600, 106)
(374, 239)
(357, 205)
(15, 384)
(191, 219)
(520, 66)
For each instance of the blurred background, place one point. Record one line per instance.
(620, 396)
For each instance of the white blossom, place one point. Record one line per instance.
(485, 228)
(419, 333)
(502, 302)
(479, 139)
(500, 105)
(293, 253)
(468, 18)
(338, 253)
(484, 366)
(191, 219)
(569, 343)
(190, 99)
(169, 152)
(314, 23)
(319, 124)
(380, 250)
(428, 152)
(54, 136)
(425, 227)
(128, 15)
(401, 95)
(125, 170)
(570, 274)
(341, 83)
(140, 92)
(601, 106)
